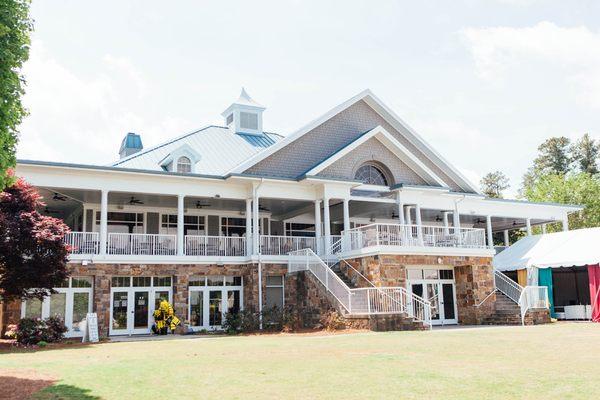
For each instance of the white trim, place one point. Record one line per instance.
(392, 144)
(385, 113)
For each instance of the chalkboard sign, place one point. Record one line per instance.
(91, 328)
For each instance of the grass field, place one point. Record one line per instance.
(559, 361)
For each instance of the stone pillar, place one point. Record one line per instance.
(473, 284)
(103, 221)
(180, 295)
(101, 299)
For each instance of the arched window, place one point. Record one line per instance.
(371, 175)
(184, 165)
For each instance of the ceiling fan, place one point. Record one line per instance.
(134, 201)
(264, 209)
(479, 221)
(59, 197)
(202, 204)
(49, 211)
(438, 218)
(394, 215)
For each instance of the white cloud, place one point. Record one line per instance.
(79, 118)
(501, 52)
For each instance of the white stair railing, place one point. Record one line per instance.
(527, 298)
(361, 301)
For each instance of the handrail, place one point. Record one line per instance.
(361, 301)
(527, 298)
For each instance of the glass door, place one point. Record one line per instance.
(432, 294)
(119, 308)
(141, 311)
(441, 294)
(448, 303)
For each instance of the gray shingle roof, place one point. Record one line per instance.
(220, 150)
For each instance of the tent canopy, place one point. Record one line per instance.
(561, 249)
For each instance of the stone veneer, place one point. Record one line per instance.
(473, 276)
(181, 273)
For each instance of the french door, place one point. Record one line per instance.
(131, 308)
(208, 306)
(442, 297)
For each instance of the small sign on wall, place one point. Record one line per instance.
(90, 332)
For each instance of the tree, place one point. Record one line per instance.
(15, 27)
(553, 156)
(585, 154)
(494, 183)
(580, 188)
(33, 256)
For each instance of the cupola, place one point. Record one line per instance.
(244, 115)
(131, 144)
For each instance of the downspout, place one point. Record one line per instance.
(255, 199)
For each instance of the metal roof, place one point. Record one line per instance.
(220, 150)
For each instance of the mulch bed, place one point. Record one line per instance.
(21, 384)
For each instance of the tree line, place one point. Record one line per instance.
(563, 172)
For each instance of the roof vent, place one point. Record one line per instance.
(131, 144)
(244, 115)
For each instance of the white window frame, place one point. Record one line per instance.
(205, 290)
(69, 291)
(282, 286)
(187, 164)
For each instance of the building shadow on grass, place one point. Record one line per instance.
(64, 392)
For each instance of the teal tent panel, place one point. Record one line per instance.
(545, 279)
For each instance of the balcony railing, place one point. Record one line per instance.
(83, 242)
(141, 244)
(412, 236)
(221, 246)
(282, 245)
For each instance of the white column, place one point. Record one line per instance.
(400, 209)
(445, 219)
(346, 214)
(490, 237)
(408, 216)
(565, 223)
(456, 218)
(103, 221)
(318, 234)
(248, 227)
(419, 223)
(506, 238)
(528, 226)
(255, 222)
(544, 229)
(326, 225)
(180, 240)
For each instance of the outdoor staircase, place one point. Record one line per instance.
(506, 312)
(367, 306)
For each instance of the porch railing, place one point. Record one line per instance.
(83, 242)
(282, 245)
(141, 244)
(222, 246)
(412, 236)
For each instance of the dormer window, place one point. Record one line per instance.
(184, 165)
(248, 120)
(229, 119)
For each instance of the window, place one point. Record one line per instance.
(162, 281)
(248, 120)
(184, 165)
(192, 225)
(123, 222)
(229, 119)
(233, 226)
(294, 229)
(371, 175)
(274, 292)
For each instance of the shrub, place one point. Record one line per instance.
(31, 331)
(34, 330)
(41, 343)
(277, 319)
(56, 328)
(241, 321)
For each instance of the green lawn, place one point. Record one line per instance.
(554, 361)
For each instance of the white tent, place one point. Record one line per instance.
(562, 249)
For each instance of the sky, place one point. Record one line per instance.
(483, 81)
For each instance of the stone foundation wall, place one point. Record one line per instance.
(473, 276)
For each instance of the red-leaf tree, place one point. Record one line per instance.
(33, 256)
